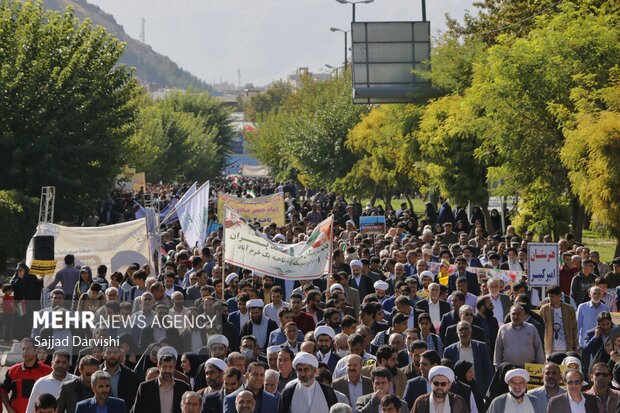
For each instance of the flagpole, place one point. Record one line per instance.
(178, 205)
(331, 259)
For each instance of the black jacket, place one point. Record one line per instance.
(147, 398)
(127, 386)
(286, 399)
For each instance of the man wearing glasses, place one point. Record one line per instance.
(441, 379)
(574, 401)
(607, 398)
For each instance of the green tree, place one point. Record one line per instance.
(268, 101)
(451, 144)
(311, 127)
(523, 92)
(170, 145)
(381, 141)
(591, 151)
(65, 105)
(18, 219)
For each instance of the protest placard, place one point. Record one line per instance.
(372, 225)
(264, 209)
(247, 248)
(542, 264)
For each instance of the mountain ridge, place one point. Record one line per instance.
(152, 68)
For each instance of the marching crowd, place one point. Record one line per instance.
(403, 323)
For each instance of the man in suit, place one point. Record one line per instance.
(567, 402)
(476, 352)
(434, 306)
(324, 336)
(387, 356)
(74, 391)
(540, 396)
(240, 316)
(353, 385)
(486, 321)
(461, 272)
(294, 397)
(359, 281)
(452, 317)
(466, 313)
(415, 349)
(214, 401)
(516, 399)
(501, 302)
(381, 383)
(148, 397)
(100, 385)
(441, 379)
(125, 385)
(258, 325)
(254, 381)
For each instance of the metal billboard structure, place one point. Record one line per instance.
(384, 54)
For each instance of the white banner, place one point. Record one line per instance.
(194, 216)
(115, 246)
(245, 247)
(542, 264)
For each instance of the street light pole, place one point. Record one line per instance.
(346, 43)
(353, 3)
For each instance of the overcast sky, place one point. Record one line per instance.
(264, 39)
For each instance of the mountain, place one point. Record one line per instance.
(152, 68)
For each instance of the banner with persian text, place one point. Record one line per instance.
(247, 248)
(263, 210)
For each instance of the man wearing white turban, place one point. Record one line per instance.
(306, 394)
(440, 399)
(516, 400)
(359, 281)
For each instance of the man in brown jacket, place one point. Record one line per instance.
(441, 379)
(560, 323)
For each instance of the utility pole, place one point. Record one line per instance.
(142, 35)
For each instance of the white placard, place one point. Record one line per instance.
(542, 264)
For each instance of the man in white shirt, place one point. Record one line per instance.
(52, 382)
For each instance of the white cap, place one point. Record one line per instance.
(219, 363)
(167, 350)
(571, 360)
(356, 263)
(320, 330)
(305, 358)
(517, 373)
(350, 222)
(381, 285)
(273, 349)
(335, 287)
(217, 339)
(441, 371)
(279, 237)
(230, 277)
(426, 274)
(256, 303)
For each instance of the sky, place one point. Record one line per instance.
(264, 39)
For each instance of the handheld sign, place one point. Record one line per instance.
(542, 264)
(372, 224)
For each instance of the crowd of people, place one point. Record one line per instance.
(388, 329)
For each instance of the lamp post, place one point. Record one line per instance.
(353, 3)
(334, 29)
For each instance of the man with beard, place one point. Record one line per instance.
(518, 342)
(441, 379)
(551, 379)
(214, 373)
(162, 394)
(608, 398)
(123, 381)
(381, 383)
(101, 402)
(486, 321)
(516, 399)
(74, 391)
(254, 382)
(359, 281)
(213, 402)
(307, 394)
(324, 336)
(258, 325)
(387, 357)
